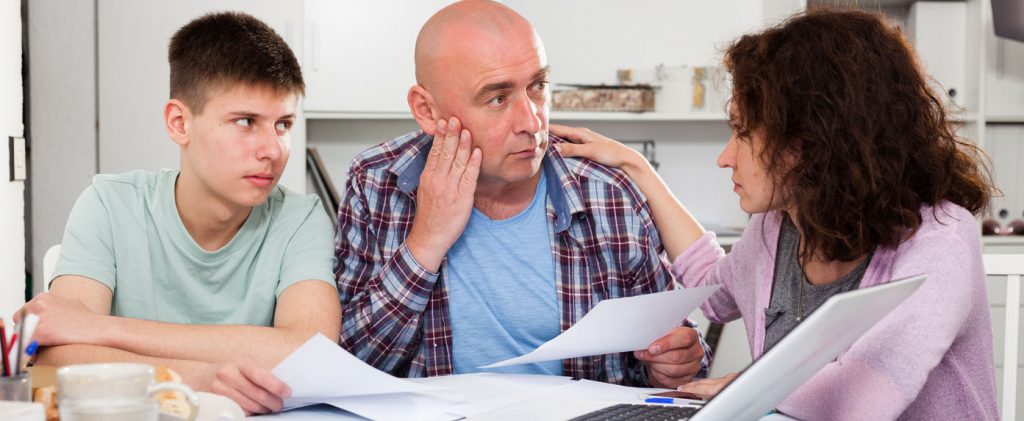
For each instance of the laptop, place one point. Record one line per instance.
(832, 328)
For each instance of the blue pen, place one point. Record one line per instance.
(30, 355)
(671, 401)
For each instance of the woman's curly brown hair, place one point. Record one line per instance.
(842, 93)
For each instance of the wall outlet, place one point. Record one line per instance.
(18, 165)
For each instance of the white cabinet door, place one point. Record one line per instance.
(1005, 97)
(134, 77)
(1005, 146)
(588, 40)
(12, 193)
(359, 55)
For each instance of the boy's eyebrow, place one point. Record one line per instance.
(243, 113)
(250, 114)
(505, 85)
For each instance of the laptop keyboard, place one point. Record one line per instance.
(631, 412)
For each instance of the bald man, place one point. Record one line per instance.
(472, 241)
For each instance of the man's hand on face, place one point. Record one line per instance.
(673, 359)
(445, 197)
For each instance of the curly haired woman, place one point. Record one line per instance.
(854, 176)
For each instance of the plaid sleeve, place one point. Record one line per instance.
(382, 299)
(705, 363)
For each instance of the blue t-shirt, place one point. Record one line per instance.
(501, 290)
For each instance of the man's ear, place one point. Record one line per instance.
(176, 119)
(423, 108)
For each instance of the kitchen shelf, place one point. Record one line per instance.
(1005, 119)
(555, 116)
(1002, 240)
(627, 116)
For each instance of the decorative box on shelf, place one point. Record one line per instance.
(634, 98)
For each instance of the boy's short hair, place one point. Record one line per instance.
(224, 48)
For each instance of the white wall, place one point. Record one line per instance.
(12, 209)
(62, 116)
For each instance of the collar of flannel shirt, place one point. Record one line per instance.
(565, 195)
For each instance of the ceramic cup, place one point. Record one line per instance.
(113, 392)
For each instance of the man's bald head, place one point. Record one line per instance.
(466, 28)
(482, 63)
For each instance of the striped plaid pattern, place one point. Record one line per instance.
(395, 312)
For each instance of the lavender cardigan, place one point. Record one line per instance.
(931, 358)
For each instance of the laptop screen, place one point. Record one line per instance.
(827, 332)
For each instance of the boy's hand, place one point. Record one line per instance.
(63, 321)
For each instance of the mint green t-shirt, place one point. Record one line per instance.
(125, 232)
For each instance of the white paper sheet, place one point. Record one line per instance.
(591, 390)
(484, 392)
(485, 396)
(310, 413)
(320, 370)
(619, 325)
(478, 381)
(398, 407)
(452, 397)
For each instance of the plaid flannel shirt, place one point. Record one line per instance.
(395, 312)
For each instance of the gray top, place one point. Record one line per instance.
(781, 314)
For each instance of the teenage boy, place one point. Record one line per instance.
(213, 270)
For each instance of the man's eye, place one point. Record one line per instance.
(498, 100)
(540, 86)
(245, 122)
(283, 126)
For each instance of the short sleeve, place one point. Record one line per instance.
(309, 254)
(88, 245)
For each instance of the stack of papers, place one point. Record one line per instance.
(321, 372)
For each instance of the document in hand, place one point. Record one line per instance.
(320, 371)
(619, 325)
